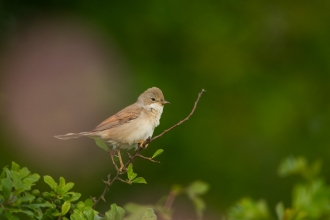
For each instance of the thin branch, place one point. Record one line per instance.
(180, 122)
(109, 183)
(142, 146)
(124, 181)
(148, 158)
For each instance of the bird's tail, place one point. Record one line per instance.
(72, 135)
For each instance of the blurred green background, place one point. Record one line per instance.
(68, 65)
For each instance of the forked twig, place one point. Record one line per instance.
(142, 146)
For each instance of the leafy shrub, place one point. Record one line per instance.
(310, 198)
(18, 199)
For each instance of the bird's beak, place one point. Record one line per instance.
(164, 102)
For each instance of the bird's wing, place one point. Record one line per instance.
(126, 115)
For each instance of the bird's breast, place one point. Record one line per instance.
(155, 112)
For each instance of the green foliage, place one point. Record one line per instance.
(149, 214)
(115, 213)
(247, 209)
(99, 142)
(310, 198)
(132, 176)
(299, 165)
(17, 198)
(194, 191)
(163, 209)
(136, 211)
(157, 153)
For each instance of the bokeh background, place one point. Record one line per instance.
(67, 65)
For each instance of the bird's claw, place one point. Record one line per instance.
(144, 144)
(122, 170)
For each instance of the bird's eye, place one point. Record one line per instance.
(153, 99)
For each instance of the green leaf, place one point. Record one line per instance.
(50, 181)
(135, 211)
(30, 180)
(27, 212)
(7, 186)
(48, 215)
(130, 174)
(24, 172)
(89, 203)
(115, 213)
(89, 213)
(66, 196)
(38, 205)
(80, 206)
(197, 188)
(9, 216)
(292, 165)
(65, 207)
(67, 187)
(27, 198)
(3, 174)
(17, 182)
(149, 214)
(139, 180)
(62, 182)
(247, 208)
(75, 196)
(157, 153)
(99, 142)
(77, 215)
(56, 212)
(14, 166)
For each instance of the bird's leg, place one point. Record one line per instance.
(112, 154)
(120, 161)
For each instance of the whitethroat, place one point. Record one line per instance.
(131, 126)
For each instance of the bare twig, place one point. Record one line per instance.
(180, 122)
(120, 179)
(129, 155)
(142, 146)
(148, 158)
(108, 181)
(106, 189)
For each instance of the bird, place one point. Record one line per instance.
(129, 127)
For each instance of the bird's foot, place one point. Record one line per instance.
(122, 170)
(144, 144)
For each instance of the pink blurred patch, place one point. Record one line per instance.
(59, 77)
